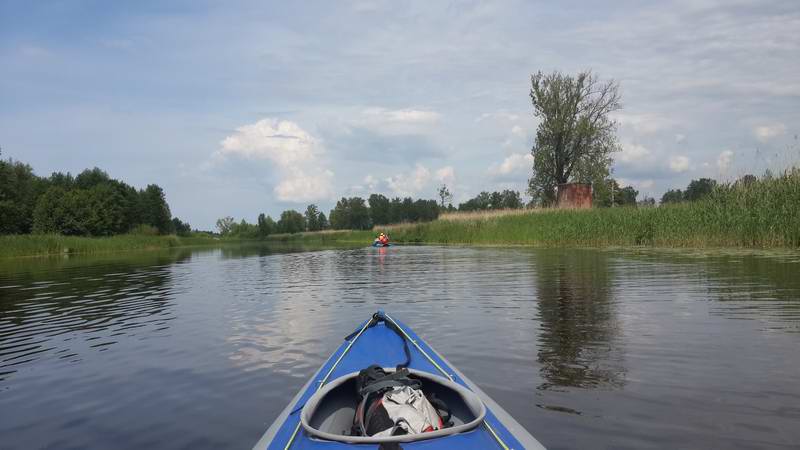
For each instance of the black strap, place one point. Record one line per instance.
(441, 407)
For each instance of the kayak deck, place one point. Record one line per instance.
(382, 345)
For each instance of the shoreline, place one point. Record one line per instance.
(49, 245)
(702, 224)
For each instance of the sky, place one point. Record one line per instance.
(237, 108)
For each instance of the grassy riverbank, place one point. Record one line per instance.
(53, 244)
(762, 214)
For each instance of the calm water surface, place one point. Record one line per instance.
(586, 348)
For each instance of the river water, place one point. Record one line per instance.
(586, 348)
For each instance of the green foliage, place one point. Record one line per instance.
(672, 196)
(380, 209)
(55, 244)
(698, 189)
(760, 213)
(323, 222)
(351, 213)
(315, 220)
(575, 136)
(144, 230)
(90, 178)
(702, 188)
(291, 221)
(608, 192)
(506, 199)
(181, 228)
(19, 189)
(91, 204)
(627, 196)
(266, 225)
(154, 209)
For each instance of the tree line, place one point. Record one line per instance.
(88, 204)
(350, 213)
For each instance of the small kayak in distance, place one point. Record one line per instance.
(378, 244)
(321, 415)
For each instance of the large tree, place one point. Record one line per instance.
(291, 221)
(312, 218)
(576, 134)
(379, 209)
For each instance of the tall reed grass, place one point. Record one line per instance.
(762, 214)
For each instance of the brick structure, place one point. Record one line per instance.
(574, 195)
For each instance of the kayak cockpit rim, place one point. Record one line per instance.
(328, 414)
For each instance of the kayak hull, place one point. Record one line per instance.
(378, 344)
(378, 244)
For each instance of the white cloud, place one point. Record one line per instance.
(498, 115)
(724, 160)
(518, 131)
(410, 184)
(396, 121)
(517, 162)
(646, 184)
(302, 186)
(294, 152)
(446, 175)
(371, 183)
(679, 163)
(643, 124)
(680, 138)
(280, 141)
(632, 152)
(766, 132)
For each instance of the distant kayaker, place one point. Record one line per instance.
(382, 239)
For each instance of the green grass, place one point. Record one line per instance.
(53, 244)
(764, 214)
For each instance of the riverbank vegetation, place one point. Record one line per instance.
(57, 244)
(752, 212)
(88, 204)
(87, 213)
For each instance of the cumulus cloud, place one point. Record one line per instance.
(280, 141)
(724, 160)
(410, 184)
(679, 163)
(512, 164)
(371, 183)
(632, 153)
(518, 131)
(294, 152)
(301, 186)
(446, 175)
(767, 132)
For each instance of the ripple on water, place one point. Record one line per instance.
(621, 348)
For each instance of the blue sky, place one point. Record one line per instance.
(237, 108)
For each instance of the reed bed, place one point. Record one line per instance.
(761, 214)
(484, 215)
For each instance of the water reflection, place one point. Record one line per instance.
(762, 286)
(579, 344)
(60, 309)
(618, 349)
